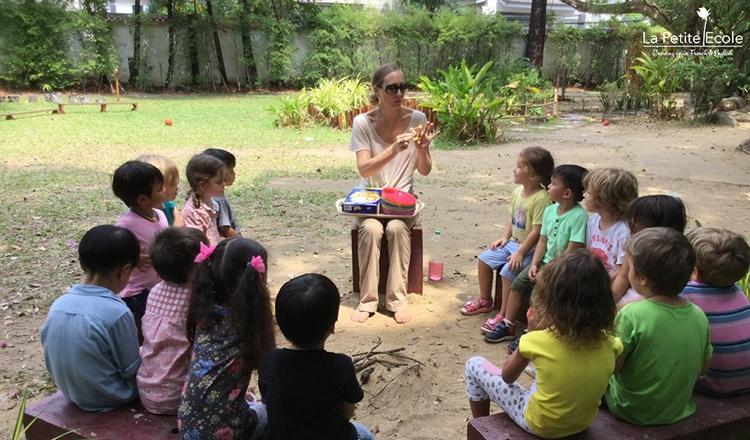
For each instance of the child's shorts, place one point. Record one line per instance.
(494, 258)
(522, 283)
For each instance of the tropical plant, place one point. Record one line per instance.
(468, 102)
(328, 99)
(566, 40)
(525, 93)
(659, 82)
(744, 284)
(608, 94)
(705, 94)
(292, 111)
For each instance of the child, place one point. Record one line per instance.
(609, 191)
(647, 212)
(513, 251)
(721, 259)
(231, 327)
(140, 186)
(89, 338)
(226, 222)
(665, 337)
(166, 349)
(205, 174)
(571, 345)
(171, 185)
(563, 228)
(310, 393)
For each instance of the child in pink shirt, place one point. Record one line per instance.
(205, 174)
(141, 187)
(165, 355)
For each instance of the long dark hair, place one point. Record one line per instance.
(573, 298)
(227, 279)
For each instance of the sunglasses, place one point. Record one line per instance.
(392, 89)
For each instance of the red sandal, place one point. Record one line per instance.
(477, 306)
(489, 325)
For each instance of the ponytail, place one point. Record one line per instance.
(250, 316)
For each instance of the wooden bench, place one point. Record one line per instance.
(12, 116)
(102, 105)
(55, 417)
(416, 265)
(725, 419)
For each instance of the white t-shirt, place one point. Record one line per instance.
(399, 171)
(608, 245)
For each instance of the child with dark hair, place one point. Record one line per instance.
(89, 339)
(310, 393)
(563, 229)
(647, 212)
(140, 186)
(231, 327)
(571, 344)
(166, 350)
(722, 258)
(225, 221)
(665, 337)
(205, 174)
(513, 252)
(171, 185)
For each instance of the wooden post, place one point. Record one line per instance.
(60, 108)
(554, 103)
(103, 107)
(117, 83)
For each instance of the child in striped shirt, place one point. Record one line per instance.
(722, 258)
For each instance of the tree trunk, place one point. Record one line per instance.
(195, 70)
(217, 43)
(136, 65)
(537, 33)
(247, 45)
(171, 39)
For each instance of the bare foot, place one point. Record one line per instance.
(358, 316)
(402, 316)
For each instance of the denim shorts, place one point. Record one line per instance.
(496, 258)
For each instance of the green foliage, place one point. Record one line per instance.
(567, 40)
(706, 94)
(468, 102)
(659, 83)
(327, 100)
(608, 94)
(97, 56)
(34, 43)
(744, 284)
(525, 89)
(608, 42)
(292, 111)
(279, 55)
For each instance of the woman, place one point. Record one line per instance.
(388, 150)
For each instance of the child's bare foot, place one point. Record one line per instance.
(402, 316)
(359, 316)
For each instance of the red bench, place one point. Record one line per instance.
(416, 265)
(55, 417)
(726, 419)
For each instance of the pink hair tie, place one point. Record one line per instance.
(257, 263)
(204, 253)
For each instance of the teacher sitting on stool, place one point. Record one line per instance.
(389, 147)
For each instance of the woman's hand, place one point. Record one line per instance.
(402, 142)
(424, 137)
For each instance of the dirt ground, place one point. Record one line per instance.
(466, 197)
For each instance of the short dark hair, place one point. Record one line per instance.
(135, 178)
(173, 251)
(201, 168)
(106, 248)
(656, 210)
(306, 307)
(571, 176)
(223, 155)
(664, 257)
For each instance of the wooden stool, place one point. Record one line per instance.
(416, 265)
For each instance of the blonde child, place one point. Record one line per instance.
(563, 228)
(647, 212)
(141, 187)
(721, 259)
(165, 354)
(609, 191)
(231, 327)
(513, 251)
(171, 185)
(226, 221)
(205, 174)
(571, 345)
(665, 337)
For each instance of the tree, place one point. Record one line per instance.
(537, 33)
(247, 44)
(137, 19)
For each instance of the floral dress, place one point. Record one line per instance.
(213, 404)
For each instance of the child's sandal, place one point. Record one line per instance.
(477, 306)
(489, 325)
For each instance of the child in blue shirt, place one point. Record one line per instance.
(89, 339)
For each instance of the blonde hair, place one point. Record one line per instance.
(166, 165)
(614, 188)
(722, 256)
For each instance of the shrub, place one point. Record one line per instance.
(659, 83)
(292, 112)
(709, 79)
(468, 102)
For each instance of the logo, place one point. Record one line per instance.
(707, 43)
